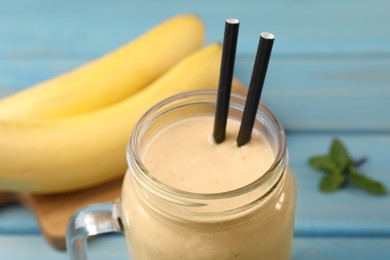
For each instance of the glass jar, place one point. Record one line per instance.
(161, 222)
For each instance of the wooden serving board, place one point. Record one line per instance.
(53, 211)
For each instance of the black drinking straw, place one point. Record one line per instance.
(255, 87)
(225, 78)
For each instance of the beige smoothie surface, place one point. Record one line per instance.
(185, 156)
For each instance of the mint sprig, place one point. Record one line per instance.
(341, 170)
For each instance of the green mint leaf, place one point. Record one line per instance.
(331, 182)
(342, 170)
(366, 183)
(339, 154)
(323, 163)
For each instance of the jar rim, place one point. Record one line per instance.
(142, 174)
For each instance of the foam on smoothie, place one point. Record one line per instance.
(185, 156)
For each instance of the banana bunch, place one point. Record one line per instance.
(71, 132)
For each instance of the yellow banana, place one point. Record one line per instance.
(112, 77)
(81, 151)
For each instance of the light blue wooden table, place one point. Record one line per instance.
(329, 76)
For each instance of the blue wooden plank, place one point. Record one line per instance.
(317, 27)
(35, 247)
(347, 212)
(349, 94)
(114, 248)
(341, 248)
(15, 219)
(303, 92)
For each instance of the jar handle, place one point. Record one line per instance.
(91, 220)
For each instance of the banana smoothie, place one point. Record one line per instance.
(212, 201)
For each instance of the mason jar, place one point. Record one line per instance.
(164, 222)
